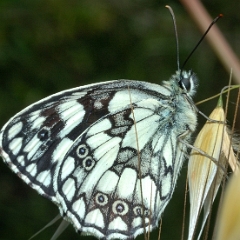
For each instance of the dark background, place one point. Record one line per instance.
(47, 46)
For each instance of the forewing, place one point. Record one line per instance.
(36, 140)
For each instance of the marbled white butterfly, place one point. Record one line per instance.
(79, 149)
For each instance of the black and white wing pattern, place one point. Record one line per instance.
(108, 154)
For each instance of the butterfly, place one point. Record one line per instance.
(107, 154)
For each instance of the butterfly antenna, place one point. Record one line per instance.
(203, 36)
(176, 33)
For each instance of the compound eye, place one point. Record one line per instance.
(186, 83)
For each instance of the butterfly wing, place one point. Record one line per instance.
(117, 179)
(33, 141)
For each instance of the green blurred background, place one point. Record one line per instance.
(47, 46)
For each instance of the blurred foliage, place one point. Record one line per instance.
(47, 46)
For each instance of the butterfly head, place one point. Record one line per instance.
(187, 81)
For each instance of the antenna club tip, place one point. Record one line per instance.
(220, 15)
(167, 6)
